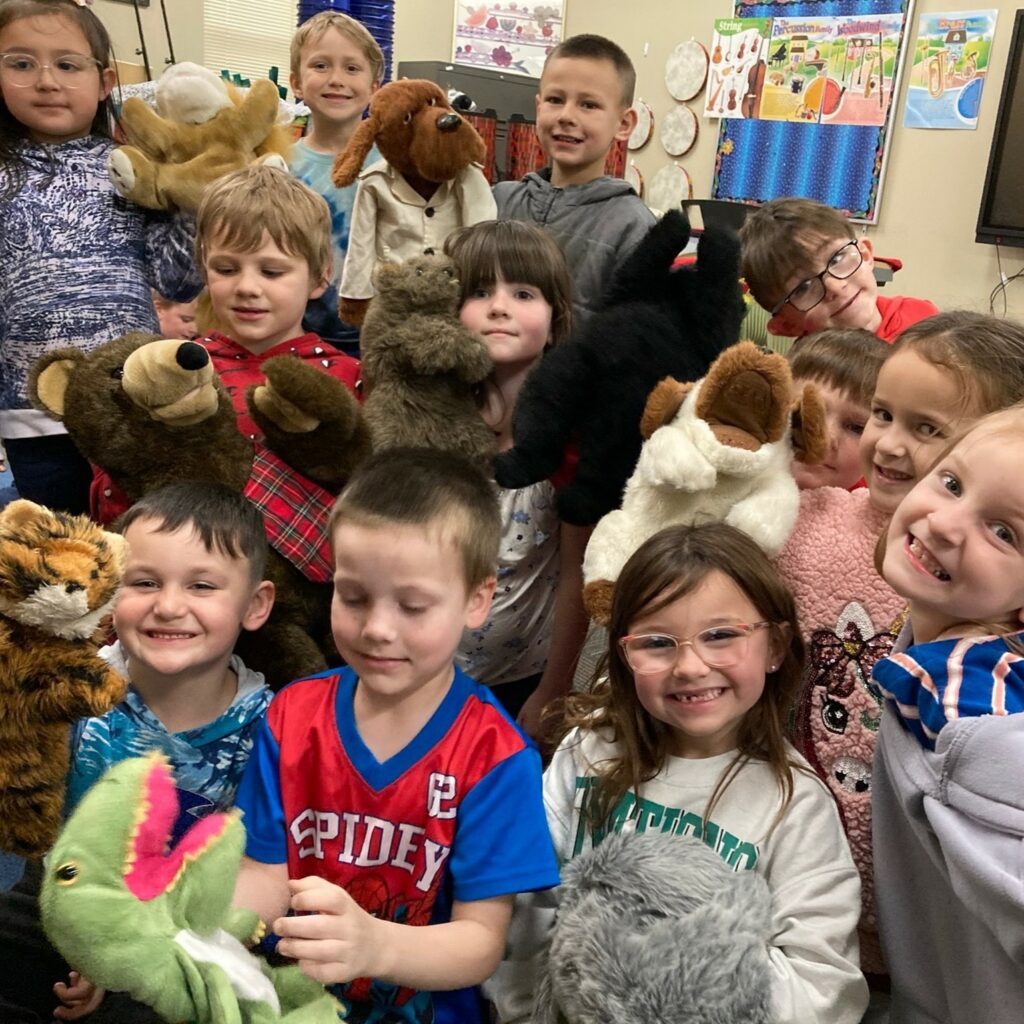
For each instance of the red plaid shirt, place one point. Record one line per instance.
(295, 513)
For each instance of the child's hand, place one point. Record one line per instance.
(333, 938)
(79, 997)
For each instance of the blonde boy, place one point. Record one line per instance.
(336, 66)
(584, 106)
(393, 804)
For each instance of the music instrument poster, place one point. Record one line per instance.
(736, 66)
(798, 57)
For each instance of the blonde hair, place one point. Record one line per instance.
(238, 208)
(313, 28)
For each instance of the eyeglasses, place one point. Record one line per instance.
(717, 647)
(846, 260)
(70, 71)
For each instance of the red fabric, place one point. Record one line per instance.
(295, 513)
(106, 500)
(899, 312)
(239, 369)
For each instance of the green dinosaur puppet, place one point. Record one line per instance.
(134, 916)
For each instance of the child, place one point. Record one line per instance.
(686, 736)
(805, 265)
(584, 106)
(948, 825)
(942, 373)
(192, 582)
(516, 295)
(336, 66)
(177, 319)
(843, 365)
(393, 802)
(76, 261)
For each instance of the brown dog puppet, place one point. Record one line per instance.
(429, 183)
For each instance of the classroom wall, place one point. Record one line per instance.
(184, 16)
(933, 182)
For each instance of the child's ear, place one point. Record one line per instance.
(778, 645)
(867, 250)
(626, 124)
(478, 606)
(293, 82)
(260, 604)
(374, 86)
(108, 79)
(320, 288)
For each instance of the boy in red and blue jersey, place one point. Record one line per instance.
(392, 804)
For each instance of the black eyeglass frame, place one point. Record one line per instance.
(821, 279)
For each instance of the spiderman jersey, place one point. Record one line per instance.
(456, 815)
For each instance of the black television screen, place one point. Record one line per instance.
(1001, 218)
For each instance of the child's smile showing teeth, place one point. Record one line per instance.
(926, 560)
(698, 696)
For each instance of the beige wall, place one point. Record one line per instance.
(186, 21)
(933, 181)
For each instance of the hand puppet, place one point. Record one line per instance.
(201, 129)
(59, 575)
(420, 364)
(658, 322)
(655, 927)
(135, 916)
(429, 183)
(716, 450)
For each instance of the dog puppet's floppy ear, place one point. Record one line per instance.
(662, 404)
(810, 434)
(349, 161)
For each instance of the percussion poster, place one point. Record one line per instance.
(838, 154)
(736, 66)
(950, 64)
(508, 36)
(798, 60)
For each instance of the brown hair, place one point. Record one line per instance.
(670, 565)
(12, 132)
(780, 239)
(845, 359)
(593, 47)
(313, 28)
(239, 207)
(429, 488)
(984, 353)
(517, 251)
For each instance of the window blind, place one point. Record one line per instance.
(248, 37)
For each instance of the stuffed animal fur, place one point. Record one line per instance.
(717, 450)
(420, 364)
(658, 322)
(430, 176)
(201, 129)
(59, 575)
(655, 927)
(136, 915)
(152, 412)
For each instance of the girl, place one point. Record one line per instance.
(941, 374)
(686, 736)
(947, 806)
(76, 260)
(516, 295)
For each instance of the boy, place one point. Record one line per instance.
(177, 319)
(393, 802)
(336, 66)
(843, 365)
(583, 107)
(192, 582)
(804, 264)
(263, 244)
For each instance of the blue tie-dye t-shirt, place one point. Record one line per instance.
(314, 169)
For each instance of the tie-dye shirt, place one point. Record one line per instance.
(208, 762)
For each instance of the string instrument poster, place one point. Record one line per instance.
(820, 125)
(736, 60)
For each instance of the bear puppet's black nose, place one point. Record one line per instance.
(191, 356)
(448, 122)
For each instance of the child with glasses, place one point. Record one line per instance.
(804, 264)
(76, 261)
(685, 736)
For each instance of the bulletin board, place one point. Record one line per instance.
(838, 164)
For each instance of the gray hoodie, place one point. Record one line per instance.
(949, 870)
(597, 225)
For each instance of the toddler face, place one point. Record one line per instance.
(513, 319)
(844, 421)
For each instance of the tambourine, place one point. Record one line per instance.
(686, 70)
(669, 187)
(679, 130)
(641, 134)
(635, 178)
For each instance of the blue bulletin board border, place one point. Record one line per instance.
(841, 165)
